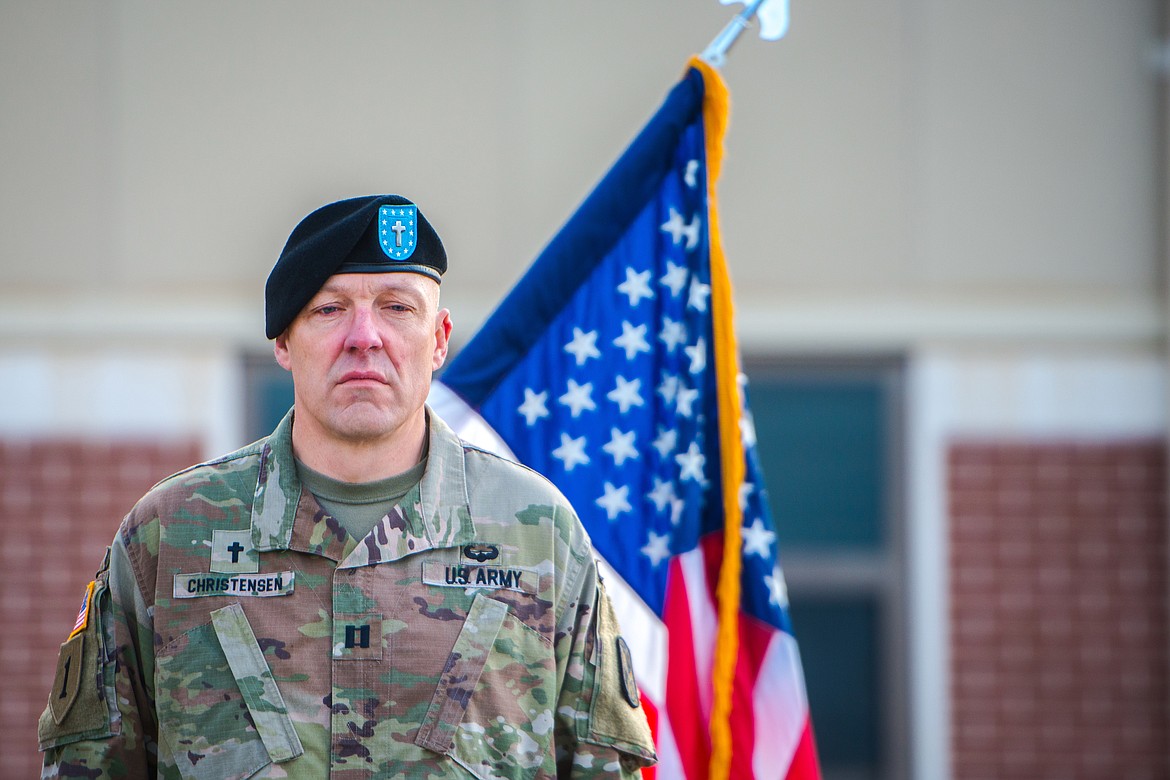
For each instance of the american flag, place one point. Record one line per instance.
(612, 369)
(83, 613)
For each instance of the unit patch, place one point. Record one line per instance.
(448, 575)
(232, 552)
(190, 586)
(626, 672)
(67, 683)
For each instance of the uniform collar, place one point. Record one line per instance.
(434, 514)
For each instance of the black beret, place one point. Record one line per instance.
(373, 234)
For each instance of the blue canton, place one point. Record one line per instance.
(615, 402)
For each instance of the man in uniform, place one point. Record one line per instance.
(360, 594)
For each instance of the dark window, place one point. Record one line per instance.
(822, 448)
(830, 442)
(268, 394)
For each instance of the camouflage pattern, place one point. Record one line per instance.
(246, 634)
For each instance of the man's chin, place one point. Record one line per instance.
(365, 422)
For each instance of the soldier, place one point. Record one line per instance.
(360, 594)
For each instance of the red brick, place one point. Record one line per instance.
(69, 497)
(1059, 571)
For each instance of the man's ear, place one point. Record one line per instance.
(280, 350)
(443, 327)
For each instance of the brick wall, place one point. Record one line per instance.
(1059, 611)
(60, 503)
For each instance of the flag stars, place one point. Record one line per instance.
(745, 494)
(666, 442)
(691, 463)
(583, 346)
(679, 228)
(664, 498)
(691, 175)
(636, 286)
(578, 398)
(662, 495)
(698, 295)
(668, 388)
(672, 334)
(632, 340)
(777, 590)
(758, 539)
(534, 407)
(686, 401)
(615, 501)
(621, 446)
(698, 356)
(675, 279)
(571, 452)
(625, 394)
(747, 429)
(657, 549)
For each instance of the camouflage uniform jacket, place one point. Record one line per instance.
(236, 630)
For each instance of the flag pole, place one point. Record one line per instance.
(716, 52)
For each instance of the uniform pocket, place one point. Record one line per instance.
(492, 712)
(461, 673)
(254, 679)
(220, 713)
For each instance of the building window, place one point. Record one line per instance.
(268, 394)
(830, 440)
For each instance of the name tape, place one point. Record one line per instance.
(200, 584)
(478, 576)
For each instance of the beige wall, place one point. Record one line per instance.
(898, 172)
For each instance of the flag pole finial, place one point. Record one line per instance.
(774, 21)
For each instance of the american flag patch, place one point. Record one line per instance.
(83, 614)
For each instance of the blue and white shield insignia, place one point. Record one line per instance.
(397, 231)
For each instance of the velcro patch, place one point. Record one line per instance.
(83, 614)
(67, 682)
(471, 575)
(626, 673)
(200, 584)
(232, 552)
(358, 637)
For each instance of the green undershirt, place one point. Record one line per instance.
(358, 506)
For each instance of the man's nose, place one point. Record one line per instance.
(363, 332)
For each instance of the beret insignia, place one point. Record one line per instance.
(396, 231)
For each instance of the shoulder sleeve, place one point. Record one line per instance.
(602, 728)
(104, 726)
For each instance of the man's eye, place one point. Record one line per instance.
(328, 309)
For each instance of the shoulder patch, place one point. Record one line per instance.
(626, 673)
(78, 707)
(67, 682)
(83, 614)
